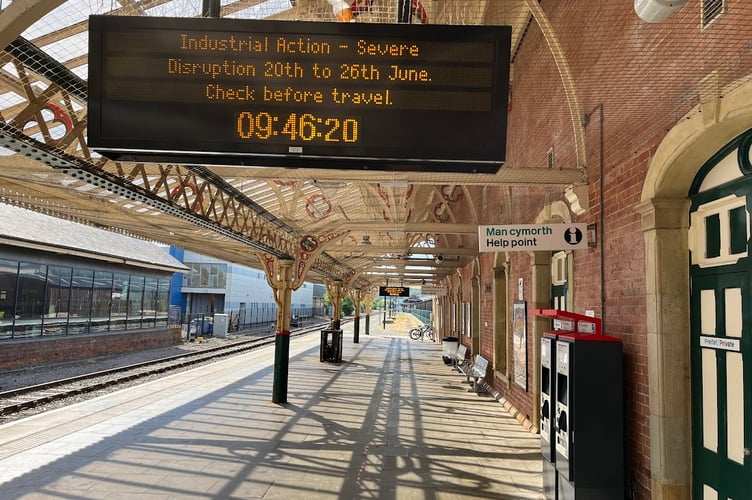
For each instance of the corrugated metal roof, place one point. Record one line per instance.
(21, 227)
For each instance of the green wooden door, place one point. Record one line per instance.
(721, 323)
(721, 386)
(560, 281)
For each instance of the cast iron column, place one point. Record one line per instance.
(368, 317)
(356, 325)
(282, 336)
(337, 304)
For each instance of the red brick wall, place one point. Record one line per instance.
(631, 99)
(539, 120)
(24, 353)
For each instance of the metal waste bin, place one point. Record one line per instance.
(449, 349)
(331, 346)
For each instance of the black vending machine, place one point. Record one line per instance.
(582, 409)
(547, 403)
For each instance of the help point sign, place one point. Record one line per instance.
(532, 237)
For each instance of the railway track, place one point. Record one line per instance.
(21, 399)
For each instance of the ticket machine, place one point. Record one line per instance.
(547, 404)
(585, 421)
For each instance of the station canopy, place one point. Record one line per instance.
(409, 226)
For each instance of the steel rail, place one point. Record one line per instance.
(24, 398)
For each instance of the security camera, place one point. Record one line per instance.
(439, 259)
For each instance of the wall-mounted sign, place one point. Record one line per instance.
(725, 344)
(302, 94)
(394, 291)
(433, 290)
(532, 237)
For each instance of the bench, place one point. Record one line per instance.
(480, 365)
(475, 368)
(461, 363)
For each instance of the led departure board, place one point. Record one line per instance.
(299, 94)
(394, 291)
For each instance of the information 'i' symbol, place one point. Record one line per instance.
(573, 236)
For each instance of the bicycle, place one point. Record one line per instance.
(422, 331)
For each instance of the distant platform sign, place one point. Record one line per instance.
(299, 94)
(394, 291)
(532, 237)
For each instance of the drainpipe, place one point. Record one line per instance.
(601, 214)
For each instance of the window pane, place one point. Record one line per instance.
(101, 301)
(57, 300)
(150, 301)
(222, 276)
(163, 302)
(8, 282)
(204, 281)
(31, 290)
(119, 309)
(80, 303)
(135, 301)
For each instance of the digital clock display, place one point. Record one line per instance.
(299, 94)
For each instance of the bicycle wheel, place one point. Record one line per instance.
(415, 333)
(430, 334)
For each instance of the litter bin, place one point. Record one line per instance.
(449, 349)
(331, 346)
(200, 325)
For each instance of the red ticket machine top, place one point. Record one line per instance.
(574, 325)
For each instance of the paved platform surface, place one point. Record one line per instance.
(391, 421)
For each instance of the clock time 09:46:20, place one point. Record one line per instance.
(293, 127)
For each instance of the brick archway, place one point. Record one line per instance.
(664, 211)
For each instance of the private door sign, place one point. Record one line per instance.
(532, 237)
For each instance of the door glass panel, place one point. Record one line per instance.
(709, 493)
(738, 228)
(712, 236)
(735, 406)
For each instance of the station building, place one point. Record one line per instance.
(87, 291)
(215, 286)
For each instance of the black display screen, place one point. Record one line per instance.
(293, 93)
(394, 291)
